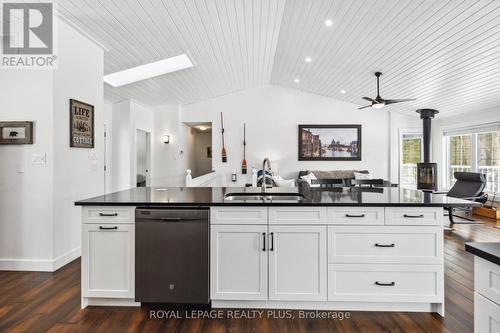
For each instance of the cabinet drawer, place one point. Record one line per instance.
(487, 279)
(238, 215)
(385, 283)
(108, 214)
(356, 215)
(385, 244)
(297, 215)
(486, 315)
(413, 216)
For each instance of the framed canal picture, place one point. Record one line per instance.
(329, 142)
(81, 124)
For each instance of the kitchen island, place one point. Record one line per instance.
(371, 249)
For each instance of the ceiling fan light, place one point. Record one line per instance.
(378, 105)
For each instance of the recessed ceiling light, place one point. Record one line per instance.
(328, 23)
(308, 59)
(296, 80)
(148, 71)
(342, 91)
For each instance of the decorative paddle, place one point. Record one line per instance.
(224, 156)
(244, 163)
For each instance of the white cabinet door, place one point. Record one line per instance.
(297, 263)
(108, 262)
(486, 315)
(238, 264)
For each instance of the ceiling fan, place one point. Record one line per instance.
(378, 102)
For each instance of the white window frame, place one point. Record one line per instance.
(408, 131)
(474, 131)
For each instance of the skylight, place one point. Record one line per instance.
(148, 71)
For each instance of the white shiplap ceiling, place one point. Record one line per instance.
(444, 53)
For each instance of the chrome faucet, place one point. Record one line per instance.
(264, 174)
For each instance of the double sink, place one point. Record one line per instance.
(265, 197)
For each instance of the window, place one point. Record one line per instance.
(410, 155)
(475, 150)
(460, 155)
(489, 159)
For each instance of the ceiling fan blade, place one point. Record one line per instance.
(368, 99)
(368, 106)
(394, 101)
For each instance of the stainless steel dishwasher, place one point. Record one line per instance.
(172, 255)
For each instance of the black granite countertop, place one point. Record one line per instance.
(487, 251)
(208, 196)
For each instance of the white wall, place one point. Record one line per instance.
(39, 225)
(272, 114)
(170, 161)
(79, 172)
(454, 122)
(26, 189)
(108, 122)
(128, 117)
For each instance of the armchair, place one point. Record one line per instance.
(468, 186)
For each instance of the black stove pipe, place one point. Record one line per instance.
(426, 115)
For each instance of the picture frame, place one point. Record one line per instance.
(81, 127)
(16, 132)
(329, 142)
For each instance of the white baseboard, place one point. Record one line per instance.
(39, 265)
(332, 306)
(90, 301)
(66, 258)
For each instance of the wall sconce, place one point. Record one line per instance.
(166, 139)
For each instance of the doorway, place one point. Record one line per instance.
(199, 148)
(143, 157)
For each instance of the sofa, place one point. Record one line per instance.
(333, 178)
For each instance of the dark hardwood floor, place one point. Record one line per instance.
(50, 302)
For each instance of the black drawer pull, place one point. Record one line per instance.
(385, 245)
(108, 215)
(272, 242)
(107, 228)
(385, 284)
(264, 241)
(413, 216)
(349, 215)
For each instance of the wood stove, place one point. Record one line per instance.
(427, 171)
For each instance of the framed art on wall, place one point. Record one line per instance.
(81, 127)
(329, 143)
(16, 132)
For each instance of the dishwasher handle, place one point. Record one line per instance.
(171, 219)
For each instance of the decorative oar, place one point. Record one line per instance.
(224, 155)
(244, 163)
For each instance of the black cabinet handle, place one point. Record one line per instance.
(107, 228)
(349, 215)
(385, 245)
(272, 242)
(264, 241)
(109, 215)
(413, 216)
(385, 284)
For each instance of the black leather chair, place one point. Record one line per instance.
(468, 186)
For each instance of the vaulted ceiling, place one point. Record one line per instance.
(446, 54)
